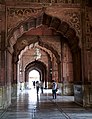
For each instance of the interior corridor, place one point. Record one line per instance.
(54, 39)
(29, 105)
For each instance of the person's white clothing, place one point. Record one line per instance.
(54, 86)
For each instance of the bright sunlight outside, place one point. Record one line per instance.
(33, 76)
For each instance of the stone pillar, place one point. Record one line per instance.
(59, 72)
(78, 89)
(18, 82)
(9, 75)
(2, 70)
(60, 82)
(3, 89)
(3, 56)
(79, 81)
(67, 71)
(26, 78)
(14, 81)
(87, 56)
(49, 73)
(77, 66)
(6, 73)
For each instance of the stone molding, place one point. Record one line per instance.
(18, 15)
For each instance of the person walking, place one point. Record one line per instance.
(41, 85)
(54, 89)
(37, 87)
(34, 84)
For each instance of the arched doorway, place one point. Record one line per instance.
(38, 67)
(33, 77)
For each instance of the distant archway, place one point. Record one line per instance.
(34, 76)
(40, 67)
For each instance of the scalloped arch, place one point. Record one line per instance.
(51, 22)
(42, 44)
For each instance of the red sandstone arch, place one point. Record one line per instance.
(59, 27)
(31, 40)
(40, 67)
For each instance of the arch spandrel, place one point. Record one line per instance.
(63, 27)
(16, 15)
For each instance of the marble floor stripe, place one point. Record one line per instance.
(29, 105)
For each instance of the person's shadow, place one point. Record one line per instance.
(37, 104)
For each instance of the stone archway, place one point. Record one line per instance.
(28, 33)
(40, 67)
(59, 27)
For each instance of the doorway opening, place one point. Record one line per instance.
(33, 77)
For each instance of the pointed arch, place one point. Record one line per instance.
(40, 67)
(61, 27)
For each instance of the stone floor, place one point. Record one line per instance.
(30, 106)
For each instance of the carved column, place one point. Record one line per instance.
(49, 72)
(79, 81)
(5, 62)
(87, 55)
(59, 71)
